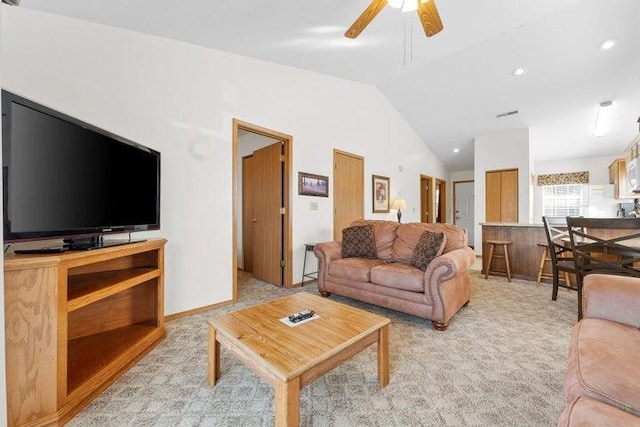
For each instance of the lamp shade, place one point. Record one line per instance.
(399, 204)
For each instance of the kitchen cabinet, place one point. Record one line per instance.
(618, 177)
(501, 196)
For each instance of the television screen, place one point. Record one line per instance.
(65, 178)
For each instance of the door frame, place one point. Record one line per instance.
(287, 141)
(441, 184)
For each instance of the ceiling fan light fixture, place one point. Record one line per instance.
(396, 4)
(410, 5)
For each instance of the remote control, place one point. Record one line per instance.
(301, 315)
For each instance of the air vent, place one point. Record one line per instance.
(508, 113)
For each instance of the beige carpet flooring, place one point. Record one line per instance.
(500, 363)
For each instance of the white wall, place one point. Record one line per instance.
(3, 383)
(180, 99)
(601, 197)
(504, 150)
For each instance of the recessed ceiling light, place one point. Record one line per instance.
(608, 44)
(520, 71)
(456, 150)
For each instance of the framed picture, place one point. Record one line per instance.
(313, 185)
(381, 191)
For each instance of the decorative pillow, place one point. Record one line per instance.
(358, 241)
(429, 246)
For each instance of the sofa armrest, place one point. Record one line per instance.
(328, 251)
(446, 280)
(449, 265)
(610, 297)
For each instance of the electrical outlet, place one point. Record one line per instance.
(313, 206)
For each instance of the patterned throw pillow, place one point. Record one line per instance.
(429, 246)
(358, 241)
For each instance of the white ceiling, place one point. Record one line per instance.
(449, 87)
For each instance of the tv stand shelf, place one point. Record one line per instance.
(75, 322)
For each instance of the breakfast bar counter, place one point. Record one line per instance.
(524, 252)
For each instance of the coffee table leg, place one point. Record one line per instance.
(213, 362)
(288, 403)
(383, 355)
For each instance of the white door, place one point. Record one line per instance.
(463, 208)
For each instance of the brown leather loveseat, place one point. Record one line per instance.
(602, 380)
(388, 276)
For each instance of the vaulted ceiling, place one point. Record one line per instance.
(449, 87)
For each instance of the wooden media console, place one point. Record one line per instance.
(75, 322)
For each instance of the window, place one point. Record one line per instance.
(563, 200)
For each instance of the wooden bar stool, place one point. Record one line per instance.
(542, 274)
(504, 255)
(544, 257)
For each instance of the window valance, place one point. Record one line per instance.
(564, 178)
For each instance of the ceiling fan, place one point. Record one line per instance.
(429, 17)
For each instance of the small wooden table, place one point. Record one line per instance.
(290, 358)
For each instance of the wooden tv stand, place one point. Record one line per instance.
(75, 322)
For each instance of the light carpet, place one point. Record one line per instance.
(501, 362)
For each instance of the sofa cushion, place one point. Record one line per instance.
(384, 233)
(429, 246)
(586, 412)
(356, 269)
(603, 364)
(357, 241)
(409, 234)
(398, 275)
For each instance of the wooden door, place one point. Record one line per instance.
(267, 222)
(427, 213)
(509, 196)
(441, 201)
(248, 184)
(492, 200)
(348, 190)
(501, 198)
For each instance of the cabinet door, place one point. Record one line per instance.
(493, 196)
(509, 196)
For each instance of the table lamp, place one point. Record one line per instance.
(399, 204)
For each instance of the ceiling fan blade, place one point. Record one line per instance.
(429, 17)
(365, 18)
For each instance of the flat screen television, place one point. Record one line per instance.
(64, 178)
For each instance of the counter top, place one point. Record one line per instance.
(511, 224)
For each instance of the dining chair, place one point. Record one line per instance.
(605, 246)
(560, 253)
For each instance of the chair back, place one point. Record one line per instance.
(605, 245)
(557, 232)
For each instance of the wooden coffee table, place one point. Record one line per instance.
(290, 358)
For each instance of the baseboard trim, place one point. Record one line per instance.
(199, 310)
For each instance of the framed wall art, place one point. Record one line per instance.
(313, 185)
(380, 188)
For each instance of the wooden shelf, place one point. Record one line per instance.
(75, 322)
(88, 356)
(85, 289)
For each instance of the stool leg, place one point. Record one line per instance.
(543, 259)
(486, 271)
(304, 266)
(506, 260)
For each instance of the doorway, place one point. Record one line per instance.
(348, 190)
(440, 209)
(426, 199)
(463, 208)
(262, 217)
